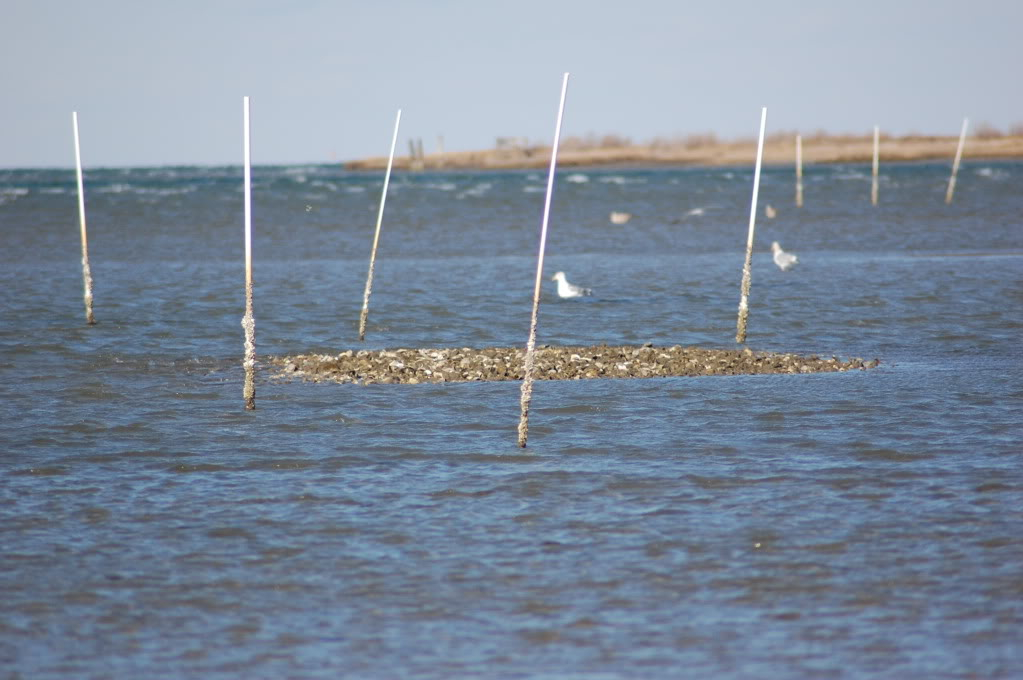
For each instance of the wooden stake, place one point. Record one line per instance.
(955, 164)
(873, 182)
(799, 171)
(527, 380)
(86, 272)
(740, 328)
(376, 234)
(248, 323)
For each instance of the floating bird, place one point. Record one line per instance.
(569, 290)
(770, 211)
(785, 261)
(620, 217)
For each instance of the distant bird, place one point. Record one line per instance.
(770, 211)
(620, 217)
(785, 261)
(569, 290)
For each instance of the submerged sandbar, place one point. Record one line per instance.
(414, 366)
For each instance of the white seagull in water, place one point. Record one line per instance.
(569, 290)
(785, 261)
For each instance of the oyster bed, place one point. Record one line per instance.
(414, 366)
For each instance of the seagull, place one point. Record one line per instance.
(784, 260)
(620, 217)
(569, 290)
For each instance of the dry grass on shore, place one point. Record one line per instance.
(708, 150)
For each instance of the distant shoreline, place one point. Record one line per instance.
(778, 150)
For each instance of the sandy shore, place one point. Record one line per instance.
(413, 366)
(778, 150)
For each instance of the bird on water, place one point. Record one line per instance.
(569, 290)
(785, 261)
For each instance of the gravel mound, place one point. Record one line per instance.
(413, 366)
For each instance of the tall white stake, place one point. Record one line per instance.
(376, 235)
(740, 328)
(799, 171)
(86, 272)
(873, 181)
(248, 323)
(955, 164)
(527, 378)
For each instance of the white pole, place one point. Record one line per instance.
(799, 171)
(248, 323)
(376, 236)
(873, 182)
(955, 164)
(527, 378)
(740, 331)
(86, 272)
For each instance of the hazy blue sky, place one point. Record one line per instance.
(161, 83)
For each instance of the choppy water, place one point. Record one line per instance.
(860, 524)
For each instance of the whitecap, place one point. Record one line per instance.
(166, 191)
(476, 191)
(620, 180)
(118, 188)
(992, 173)
(11, 194)
(577, 178)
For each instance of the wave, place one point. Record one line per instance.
(992, 173)
(11, 194)
(621, 180)
(322, 184)
(122, 188)
(476, 191)
(441, 186)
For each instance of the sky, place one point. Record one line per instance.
(161, 82)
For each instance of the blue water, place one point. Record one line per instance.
(862, 524)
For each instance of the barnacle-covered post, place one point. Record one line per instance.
(955, 163)
(799, 171)
(740, 329)
(376, 235)
(873, 174)
(86, 272)
(248, 323)
(527, 378)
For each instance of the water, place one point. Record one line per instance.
(860, 524)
